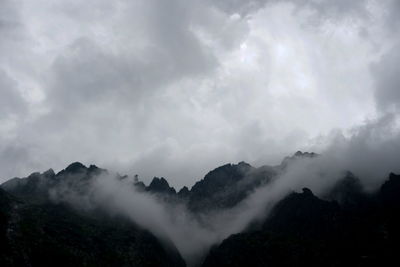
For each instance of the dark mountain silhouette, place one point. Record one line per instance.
(304, 230)
(223, 187)
(298, 155)
(343, 227)
(35, 231)
(184, 193)
(160, 185)
(226, 186)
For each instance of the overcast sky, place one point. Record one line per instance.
(175, 88)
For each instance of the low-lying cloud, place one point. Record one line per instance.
(371, 152)
(176, 88)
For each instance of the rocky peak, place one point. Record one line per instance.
(303, 214)
(305, 154)
(75, 167)
(390, 190)
(307, 192)
(296, 156)
(49, 173)
(160, 185)
(223, 176)
(348, 191)
(184, 192)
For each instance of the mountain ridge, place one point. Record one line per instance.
(302, 229)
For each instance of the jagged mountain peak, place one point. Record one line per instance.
(348, 191)
(305, 154)
(390, 190)
(226, 173)
(296, 156)
(160, 185)
(296, 221)
(75, 167)
(184, 192)
(307, 192)
(49, 173)
(79, 168)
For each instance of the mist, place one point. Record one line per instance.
(371, 152)
(175, 89)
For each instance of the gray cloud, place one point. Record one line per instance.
(8, 17)
(11, 103)
(174, 89)
(370, 153)
(387, 75)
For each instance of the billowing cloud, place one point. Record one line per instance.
(371, 153)
(174, 88)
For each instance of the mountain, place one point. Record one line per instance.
(160, 186)
(221, 188)
(296, 156)
(39, 226)
(38, 186)
(304, 230)
(35, 231)
(226, 186)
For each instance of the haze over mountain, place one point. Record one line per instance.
(193, 111)
(88, 216)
